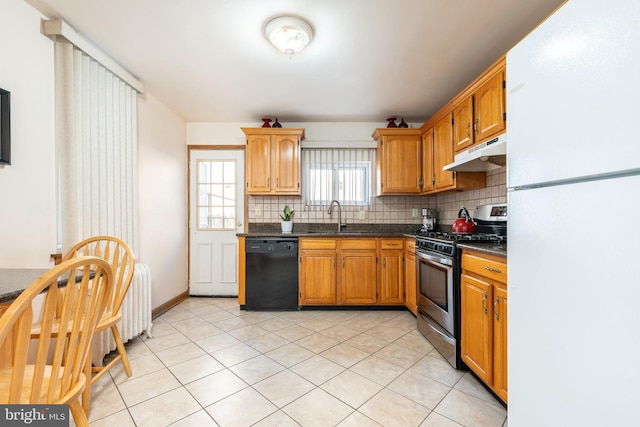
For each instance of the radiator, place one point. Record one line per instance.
(136, 315)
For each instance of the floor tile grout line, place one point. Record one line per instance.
(335, 322)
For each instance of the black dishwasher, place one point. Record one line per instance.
(271, 273)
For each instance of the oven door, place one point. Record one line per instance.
(435, 288)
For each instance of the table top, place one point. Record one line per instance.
(15, 280)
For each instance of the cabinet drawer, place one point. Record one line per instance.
(391, 244)
(485, 265)
(358, 243)
(410, 245)
(317, 244)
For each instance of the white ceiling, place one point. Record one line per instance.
(208, 61)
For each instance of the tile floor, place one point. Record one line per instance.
(211, 364)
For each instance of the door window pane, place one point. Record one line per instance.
(216, 204)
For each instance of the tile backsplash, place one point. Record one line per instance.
(448, 204)
(385, 209)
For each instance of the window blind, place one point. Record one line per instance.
(96, 137)
(345, 175)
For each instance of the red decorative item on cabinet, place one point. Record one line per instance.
(266, 121)
(392, 122)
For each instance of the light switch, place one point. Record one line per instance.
(258, 210)
(414, 212)
(361, 214)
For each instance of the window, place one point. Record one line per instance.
(337, 174)
(216, 204)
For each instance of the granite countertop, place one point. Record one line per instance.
(497, 249)
(15, 280)
(328, 234)
(330, 230)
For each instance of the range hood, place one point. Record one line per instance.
(489, 155)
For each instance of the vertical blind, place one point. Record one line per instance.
(346, 175)
(96, 136)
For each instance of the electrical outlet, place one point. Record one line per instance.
(414, 212)
(258, 210)
(361, 214)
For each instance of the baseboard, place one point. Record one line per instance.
(169, 304)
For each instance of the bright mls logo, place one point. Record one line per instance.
(34, 415)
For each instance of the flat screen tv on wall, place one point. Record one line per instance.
(5, 127)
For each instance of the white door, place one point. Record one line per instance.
(216, 186)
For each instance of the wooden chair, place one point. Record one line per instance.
(118, 254)
(57, 373)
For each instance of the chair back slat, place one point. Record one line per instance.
(56, 373)
(19, 352)
(118, 254)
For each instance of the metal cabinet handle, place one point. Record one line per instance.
(493, 270)
(495, 308)
(468, 127)
(475, 125)
(484, 303)
(269, 182)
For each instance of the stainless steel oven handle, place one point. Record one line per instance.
(434, 258)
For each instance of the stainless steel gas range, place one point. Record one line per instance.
(438, 279)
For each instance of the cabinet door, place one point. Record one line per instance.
(358, 279)
(286, 164)
(443, 153)
(428, 177)
(317, 279)
(410, 283)
(462, 129)
(477, 326)
(401, 164)
(392, 277)
(500, 342)
(490, 108)
(258, 164)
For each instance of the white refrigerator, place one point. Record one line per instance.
(573, 178)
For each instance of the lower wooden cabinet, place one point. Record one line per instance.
(317, 271)
(484, 318)
(391, 271)
(410, 284)
(358, 271)
(351, 271)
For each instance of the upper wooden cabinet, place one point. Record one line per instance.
(490, 118)
(479, 111)
(398, 161)
(462, 124)
(437, 151)
(442, 153)
(273, 160)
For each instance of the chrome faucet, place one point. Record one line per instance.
(340, 225)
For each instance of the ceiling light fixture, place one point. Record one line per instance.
(288, 34)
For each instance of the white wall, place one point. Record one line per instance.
(27, 186)
(28, 206)
(231, 134)
(162, 198)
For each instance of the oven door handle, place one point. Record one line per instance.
(434, 258)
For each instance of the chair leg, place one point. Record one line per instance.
(79, 415)
(86, 393)
(121, 350)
